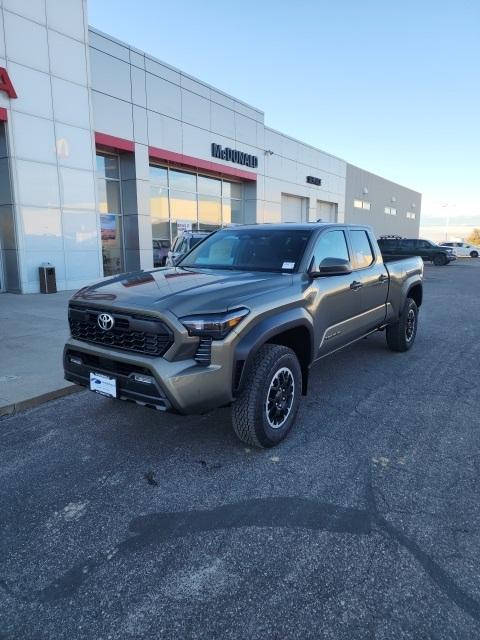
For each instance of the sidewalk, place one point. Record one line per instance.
(33, 330)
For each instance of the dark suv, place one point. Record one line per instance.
(426, 249)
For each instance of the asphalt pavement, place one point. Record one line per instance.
(118, 522)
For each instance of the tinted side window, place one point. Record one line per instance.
(331, 245)
(362, 249)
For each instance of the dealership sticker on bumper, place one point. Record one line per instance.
(103, 384)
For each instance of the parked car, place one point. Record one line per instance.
(160, 252)
(463, 249)
(182, 244)
(241, 320)
(426, 249)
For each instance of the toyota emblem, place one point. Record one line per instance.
(105, 321)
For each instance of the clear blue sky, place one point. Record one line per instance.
(392, 86)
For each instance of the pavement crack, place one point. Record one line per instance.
(293, 512)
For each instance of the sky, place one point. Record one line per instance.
(391, 86)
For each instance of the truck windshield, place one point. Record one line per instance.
(278, 250)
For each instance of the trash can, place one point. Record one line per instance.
(48, 280)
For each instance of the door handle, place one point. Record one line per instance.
(356, 285)
(383, 278)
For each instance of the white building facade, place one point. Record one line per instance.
(107, 153)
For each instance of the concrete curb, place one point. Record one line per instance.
(29, 403)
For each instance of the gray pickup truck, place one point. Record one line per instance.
(241, 320)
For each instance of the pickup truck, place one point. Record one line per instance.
(240, 321)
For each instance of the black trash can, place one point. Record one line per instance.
(48, 280)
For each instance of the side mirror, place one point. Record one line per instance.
(332, 267)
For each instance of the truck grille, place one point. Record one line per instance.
(141, 334)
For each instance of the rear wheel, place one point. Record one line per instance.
(265, 410)
(401, 335)
(439, 260)
(474, 254)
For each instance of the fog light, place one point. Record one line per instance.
(75, 360)
(143, 379)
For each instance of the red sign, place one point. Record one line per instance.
(6, 84)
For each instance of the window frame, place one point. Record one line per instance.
(100, 176)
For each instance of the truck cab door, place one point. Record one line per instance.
(372, 278)
(331, 299)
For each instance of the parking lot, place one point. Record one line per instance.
(121, 522)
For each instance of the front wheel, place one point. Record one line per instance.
(474, 254)
(439, 260)
(401, 335)
(265, 410)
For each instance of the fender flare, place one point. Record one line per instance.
(258, 335)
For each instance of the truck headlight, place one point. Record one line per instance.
(215, 325)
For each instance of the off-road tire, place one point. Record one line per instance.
(440, 260)
(474, 254)
(249, 411)
(399, 335)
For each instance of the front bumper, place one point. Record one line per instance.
(181, 386)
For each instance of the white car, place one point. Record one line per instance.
(463, 249)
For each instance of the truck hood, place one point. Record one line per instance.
(181, 291)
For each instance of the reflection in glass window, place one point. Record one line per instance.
(108, 196)
(205, 202)
(331, 245)
(158, 203)
(361, 204)
(209, 186)
(159, 175)
(209, 212)
(182, 180)
(112, 246)
(110, 207)
(183, 206)
(362, 250)
(250, 250)
(107, 166)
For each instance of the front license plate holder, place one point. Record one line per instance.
(105, 385)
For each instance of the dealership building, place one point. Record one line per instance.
(106, 153)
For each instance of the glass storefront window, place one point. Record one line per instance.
(108, 195)
(209, 213)
(183, 206)
(107, 166)
(112, 245)
(159, 175)
(201, 202)
(209, 186)
(158, 203)
(111, 219)
(183, 181)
